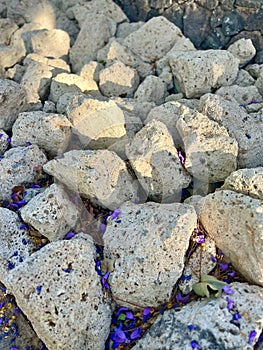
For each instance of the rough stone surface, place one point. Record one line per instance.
(97, 124)
(58, 65)
(246, 181)
(99, 175)
(198, 72)
(211, 154)
(244, 78)
(152, 89)
(157, 30)
(52, 213)
(3, 142)
(259, 82)
(15, 73)
(239, 125)
(12, 238)
(235, 221)
(90, 71)
(118, 80)
(12, 101)
(243, 95)
(49, 131)
(243, 49)
(155, 161)
(153, 258)
(58, 268)
(17, 167)
(125, 29)
(213, 331)
(7, 28)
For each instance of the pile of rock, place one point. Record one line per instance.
(130, 116)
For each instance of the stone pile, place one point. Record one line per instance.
(126, 118)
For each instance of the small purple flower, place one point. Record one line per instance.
(104, 280)
(129, 315)
(230, 303)
(2, 304)
(115, 214)
(14, 348)
(227, 290)
(66, 270)
(224, 267)
(38, 289)
(191, 327)
(254, 101)
(186, 278)
(102, 228)
(232, 273)
(24, 241)
(213, 259)
(195, 345)
(236, 316)
(248, 136)
(24, 227)
(28, 143)
(136, 334)
(98, 267)
(252, 336)
(147, 313)
(10, 265)
(181, 157)
(199, 239)
(1, 135)
(119, 336)
(182, 299)
(8, 139)
(69, 235)
(35, 186)
(17, 310)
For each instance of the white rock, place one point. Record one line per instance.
(211, 318)
(49, 131)
(12, 101)
(152, 89)
(211, 154)
(246, 181)
(17, 167)
(10, 55)
(59, 291)
(16, 243)
(243, 49)
(51, 43)
(244, 78)
(259, 82)
(64, 82)
(198, 72)
(51, 213)
(254, 70)
(15, 73)
(124, 29)
(246, 130)
(235, 222)
(3, 142)
(99, 175)
(148, 248)
(49, 107)
(58, 65)
(90, 71)
(118, 80)
(197, 202)
(7, 28)
(154, 39)
(243, 95)
(94, 34)
(155, 161)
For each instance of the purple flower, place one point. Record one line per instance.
(10, 265)
(28, 143)
(24, 227)
(186, 278)
(120, 310)
(195, 345)
(227, 290)
(129, 315)
(24, 241)
(199, 239)
(14, 348)
(224, 267)
(147, 313)
(254, 101)
(232, 273)
(252, 336)
(8, 139)
(182, 299)
(2, 304)
(236, 316)
(35, 186)
(248, 136)
(115, 214)
(181, 157)
(69, 235)
(98, 267)
(104, 280)
(213, 259)
(230, 303)
(102, 228)
(136, 334)
(191, 327)
(1, 135)
(38, 289)
(119, 336)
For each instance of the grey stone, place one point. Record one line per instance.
(58, 281)
(244, 78)
(98, 175)
(49, 107)
(243, 49)
(51, 132)
(243, 95)
(211, 318)
(153, 258)
(255, 21)
(125, 29)
(7, 28)
(234, 221)
(259, 82)
(57, 65)
(152, 89)
(17, 167)
(90, 71)
(12, 101)
(232, 23)
(3, 142)
(215, 40)
(10, 55)
(15, 73)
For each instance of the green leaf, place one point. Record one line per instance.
(201, 289)
(212, 282)
(121, 317)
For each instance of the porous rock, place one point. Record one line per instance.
(57, 286)
(91, 71)
(118, 80)
(58, 65)
(125, 29)
(7, 28)
(148, 248)
(17, 167)
(16, 243)
(152, 89)
(49, 131)
(259, 82)
(211, 321)
(198, 72)
(51, 213)
(243, 49)
(3, 142)
(243, 95)
(99, 175)
(244, 78)
(12, 101)
(155, 161)
(235, 221)
(10, 55)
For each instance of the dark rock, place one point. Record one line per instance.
(232, 23)
(216, 40)
(196, 23)
(152, 13)
(135, 10)
(255, 21)
(217, 17)
(227, 4)
(175, 15)
(208, 4)
(159, 4)
(259, 57)
(256, 37)
(249, 3)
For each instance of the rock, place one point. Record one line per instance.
(118, 80)
(152, 89)
(254, 70)
(151, 44)
(94, 34)
(15, 73)
(51, 132)
(10, 55)
(59, 280)
(97, 124)
(234, 221)
(51, 43)
(12, 101)
(58, 65)
(17, 167)
(98, 175)
(246, 181)
(215, 40)
(239, 125)
(186, 68)
(243, 95)
(197, 202)
(51, 213)
(90, 71)
(16, 243)
(244, 79)
(259, 82)
(232, 23)
(49, 107)
(125, 29)
(153, 258)
(3, 142)
(255, 110)
(7, 28)
(211, 154)
(254, 21)
(243, 50)
(64, 82)
(171, 331)
(155, 161)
